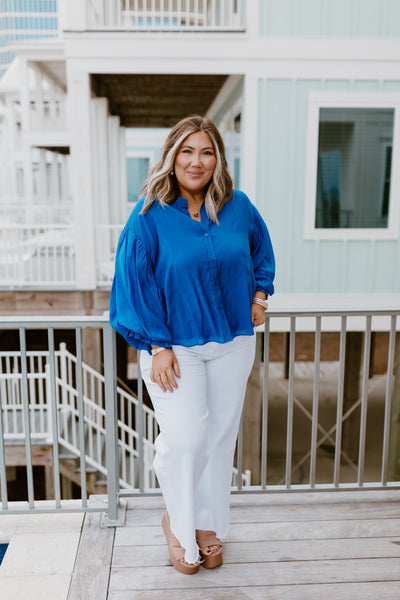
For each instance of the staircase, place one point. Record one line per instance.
(66, 401)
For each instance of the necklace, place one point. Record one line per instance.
(196, 215)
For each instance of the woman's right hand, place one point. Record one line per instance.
(164, 369)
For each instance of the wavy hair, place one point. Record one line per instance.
(161, 183)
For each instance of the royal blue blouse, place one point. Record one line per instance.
(181, 281)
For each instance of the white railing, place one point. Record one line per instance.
(47, 115)
(107, 237)
(83, 411)
(14, 211)
(33, 254)
(166, 15)
(38, 376)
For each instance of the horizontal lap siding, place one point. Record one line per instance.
(311, 266)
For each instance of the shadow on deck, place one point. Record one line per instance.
(331, 545)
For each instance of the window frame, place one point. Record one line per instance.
(337, 100)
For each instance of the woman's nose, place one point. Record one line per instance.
(196, 159)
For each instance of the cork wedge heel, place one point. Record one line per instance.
(176, 552)
(205, 539)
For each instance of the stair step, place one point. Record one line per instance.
(67, 455)
(88, 469)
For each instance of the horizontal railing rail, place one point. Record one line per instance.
(314, 414)
(14, 211)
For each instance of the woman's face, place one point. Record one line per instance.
(195, 163)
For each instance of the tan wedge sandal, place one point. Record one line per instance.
(176, 552)
(205, 539)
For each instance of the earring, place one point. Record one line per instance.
(171, 173)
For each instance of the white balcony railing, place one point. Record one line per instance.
(47, 115)
(14, 211)
(107, 237)
(305, 433)
(32, 255)
(166, 15)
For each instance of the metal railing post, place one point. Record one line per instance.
(114, 517)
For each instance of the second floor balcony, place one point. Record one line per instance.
(155, 15)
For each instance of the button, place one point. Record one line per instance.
(206, 235)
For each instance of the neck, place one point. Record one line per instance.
(193, 199)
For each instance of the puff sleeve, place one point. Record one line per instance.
(262, 254)
(136, 309)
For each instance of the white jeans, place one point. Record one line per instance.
(198, 423)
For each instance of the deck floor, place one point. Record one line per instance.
(293, 546)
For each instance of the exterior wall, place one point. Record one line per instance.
(330, 18)
(321, 266)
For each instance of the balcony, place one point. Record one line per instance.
(156, 15)
(315, 518)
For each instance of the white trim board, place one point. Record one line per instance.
(319, 100)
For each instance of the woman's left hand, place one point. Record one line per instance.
(257, 314)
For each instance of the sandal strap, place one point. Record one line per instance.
(207, 538)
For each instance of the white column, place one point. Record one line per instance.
(42, 191)
(26, 148)
(248, 161)
(101, 144)
(54, 192)
(65, 181)
(253, 17)
(123, 175)
(114, 166)
(8, 169)
(101, 160)
(74, 15)
(80, 126)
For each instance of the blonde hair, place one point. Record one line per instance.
(161, 183)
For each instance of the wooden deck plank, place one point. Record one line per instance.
(332, 591)
(269, 498)
(245, 552)
(336, 546)
(270, 514)
(336, 496)
(93, 561)
(259, 532)
(261, 574)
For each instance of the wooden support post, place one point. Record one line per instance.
(286, 347)
(394, 441)
(122, 359)
(352, 392)
(49, 482)
(252, 421)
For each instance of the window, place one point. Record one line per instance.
(350, 179)
(137, 169)
(230, 128)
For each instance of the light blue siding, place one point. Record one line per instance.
(311, 266)
(330, 18)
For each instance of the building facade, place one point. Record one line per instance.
(306, 95)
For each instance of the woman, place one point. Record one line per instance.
(193, 270)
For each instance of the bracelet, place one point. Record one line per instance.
(261, 302)
(156, 351)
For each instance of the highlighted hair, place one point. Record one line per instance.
(161, 184)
